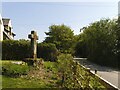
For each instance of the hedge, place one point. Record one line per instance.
(20, 49)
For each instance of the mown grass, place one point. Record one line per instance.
(14, 70)
(35, 78)
(8, 82)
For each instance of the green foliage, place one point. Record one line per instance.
(81, 49)
(118, 41)
(47, 51)
(36, 77)
(51, 66)
(64, 62)
(62, 36)
(14, 70)
(98, 42)
(52, 75)
(20, 49)
(20, 83)
(75, 76)
(15, 49)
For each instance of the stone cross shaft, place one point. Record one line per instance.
(33, 36)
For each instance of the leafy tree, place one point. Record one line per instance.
(99, 41)
(81, 49)
(62, 36)
(118, 41)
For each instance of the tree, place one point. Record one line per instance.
(62, 36)
(80, 47)
(99, 40)
(118, 41)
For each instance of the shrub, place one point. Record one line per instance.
(47, 51)
(20, 49)
(15, 49)
(73, 75)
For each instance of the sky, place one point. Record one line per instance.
(38, 16)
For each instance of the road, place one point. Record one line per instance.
(109, 74)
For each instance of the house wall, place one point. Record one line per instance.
(119, 8)
(1, 28)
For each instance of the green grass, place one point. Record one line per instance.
(13, 70)
(2, 62)
(35, 79)
(52, 66)
(8, 82)
(44, 77)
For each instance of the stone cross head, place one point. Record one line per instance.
(33, 36)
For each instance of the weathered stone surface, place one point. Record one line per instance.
(33, 36)
(33, 51)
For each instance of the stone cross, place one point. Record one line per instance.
(33, 36)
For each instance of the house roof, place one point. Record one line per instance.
(6, 21)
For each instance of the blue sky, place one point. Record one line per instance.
(38, 16)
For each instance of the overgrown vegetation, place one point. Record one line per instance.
(64, 73)
(74, 76)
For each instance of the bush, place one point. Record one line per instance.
(15, 49)
(20, 49)
(47, 51)
(73, 75)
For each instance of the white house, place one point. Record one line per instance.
(7, 33)
(1, 28)
(6, 29)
